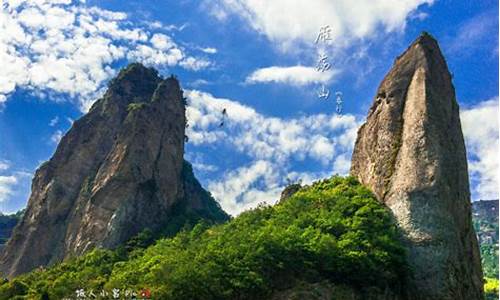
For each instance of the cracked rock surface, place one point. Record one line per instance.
(411, 153)
(117, 171)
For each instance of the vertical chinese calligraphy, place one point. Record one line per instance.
(323, 92)
(323, 65)
(324, 36)
(338, 101)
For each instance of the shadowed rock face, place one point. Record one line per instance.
(118, 171)
(411, 153)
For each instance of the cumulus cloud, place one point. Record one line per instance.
(271, 144)
(195, 64)
(56, 137)
(480, 127)
(68, 47)
(53, 122)
(209, 50)
(4, 165)
(236, 190)
(324, 142)
(303, 19)
(295, 75)
(12, 182)
(475, 33)
(204, 167)
(6, 186)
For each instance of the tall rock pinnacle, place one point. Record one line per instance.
(411, 153)
(119, 170)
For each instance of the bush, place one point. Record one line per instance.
(333, 230)
(491, 288)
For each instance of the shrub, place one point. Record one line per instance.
(333, 230)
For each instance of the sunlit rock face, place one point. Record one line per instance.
(411, 153)
(118, 170)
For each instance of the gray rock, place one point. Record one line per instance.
(118, 171)
(289, 191)
(411, 153)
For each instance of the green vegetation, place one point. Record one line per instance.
(491, 289)
(136, 106)
(193, 190)
(488, 236)
(485, 220)
(333, 231)
(489, 259)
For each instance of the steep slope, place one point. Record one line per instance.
(330, 240)
(117, 171)
(411, 153)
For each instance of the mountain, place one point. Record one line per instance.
(399, 228)
(117, 172)
(410, 152)
(7, 224)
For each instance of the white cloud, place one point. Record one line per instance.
(474, 34)
(199, 82)
(274, 145)
(6, 187)
(288, 21)
(195, 64)
(14, 189)
(271, 144)
(296, 75)
(4, 165)
(12, 182)
(235, 190)
(54, 121)
(204, 167)
(162, 42)
(56, 137)
(209, 50)
(71, 48)
(480, 127)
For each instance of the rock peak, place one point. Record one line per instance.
(118, 171)
(426, 38)
(411, 153)
(136, 70)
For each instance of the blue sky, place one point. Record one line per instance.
(255, 58)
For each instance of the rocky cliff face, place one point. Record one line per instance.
(411, 153)
(119, 170)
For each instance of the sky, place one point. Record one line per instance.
(260, 60)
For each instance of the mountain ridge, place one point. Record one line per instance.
(116, 172)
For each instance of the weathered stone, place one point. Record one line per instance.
(117, 171)
(289, 191)
(411, 153)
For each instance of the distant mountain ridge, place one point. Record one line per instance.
(7, 224)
